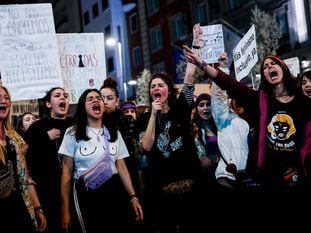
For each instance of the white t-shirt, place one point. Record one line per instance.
(86, 153)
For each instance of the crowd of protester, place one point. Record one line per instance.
(229, 156)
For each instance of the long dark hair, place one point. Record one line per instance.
(80, 116)
(197, 121)
(20, 125)
(112, 119)
(45, 111)
(172, 90)
(307, 74)
(80, 119)
(289, 81)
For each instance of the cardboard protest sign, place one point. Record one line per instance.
(28, 48)
(213, 43)
(245, 54)
(82, 61)
(293, 65)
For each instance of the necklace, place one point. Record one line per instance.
(97, 134)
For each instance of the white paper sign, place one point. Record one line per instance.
(213, 44)
(29, 61)
(82, 60)
(245, 54)
(293, 65)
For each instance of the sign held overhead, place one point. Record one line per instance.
(245, 54)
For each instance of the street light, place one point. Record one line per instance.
(132, 82)
(121, 43)
(112, 42)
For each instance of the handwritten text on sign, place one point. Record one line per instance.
(82, 60)
(28, 42)
(245, 54)
(213, 43)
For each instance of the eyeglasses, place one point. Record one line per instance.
(92, 98)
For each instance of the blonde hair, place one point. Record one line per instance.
(6, 126)
(2, 153)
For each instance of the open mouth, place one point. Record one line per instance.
(273, 74)
(206, 114)
(62, 105)
(2, 108)
(96, 108)
(308, 92)
(157, 95)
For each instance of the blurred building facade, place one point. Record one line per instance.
(110, 17)
(153, 31)
(165, 25)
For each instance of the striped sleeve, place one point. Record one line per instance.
(188, 90)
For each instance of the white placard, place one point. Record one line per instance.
(213, 44)
(82, 60)
(29, 61)
(245, 54)
(293, 65)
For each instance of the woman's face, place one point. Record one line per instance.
(5, 104)
(59, 103)
(306, 86)
(273, 72)
(159, 89)
(204, 109)
(94, 105)
(28, 119)
(110, 99)
(129, 112)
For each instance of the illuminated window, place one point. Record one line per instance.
(301, 28)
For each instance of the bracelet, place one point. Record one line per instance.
(133, 198)
(202, 65)
(196, 47)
